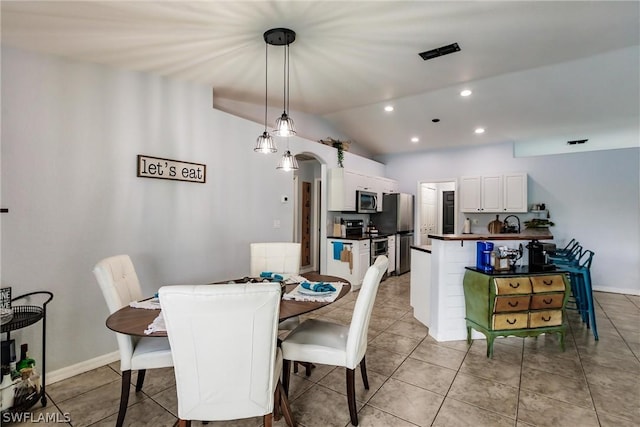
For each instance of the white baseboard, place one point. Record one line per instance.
(82, 367)
(626, 291)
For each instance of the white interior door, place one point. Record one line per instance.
(428, 212)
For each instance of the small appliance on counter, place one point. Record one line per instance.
(483, 256)
(372, 231)
(353, 228)
(538, 256)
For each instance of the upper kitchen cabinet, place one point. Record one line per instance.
(342, 189)
(384, 186)
(344, 183)
(515, 192)
(494, 193)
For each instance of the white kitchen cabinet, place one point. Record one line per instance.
(391, 246)
(342, 189)
(515, 192)
(360, 261)
(384, 186)
(364, 253)
(494, 193)
(344, 183)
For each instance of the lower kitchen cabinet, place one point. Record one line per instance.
(391, 247)
(522, 303)
(352, 267)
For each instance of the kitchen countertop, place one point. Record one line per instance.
(542, 234)
(363, 237)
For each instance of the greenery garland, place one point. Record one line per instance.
(338, 146)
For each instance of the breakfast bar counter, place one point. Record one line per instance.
(437, 294)
(527, 234)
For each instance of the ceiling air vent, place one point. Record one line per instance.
(444, 50)
(577, 141)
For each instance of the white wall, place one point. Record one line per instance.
(70, 135)
(592, 196)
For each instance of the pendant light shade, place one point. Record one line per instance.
(287, 162)
(265, 144)
(284, 125)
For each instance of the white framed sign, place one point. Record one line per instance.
(157, 167)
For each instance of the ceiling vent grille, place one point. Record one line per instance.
(440, 51)
(577, 141)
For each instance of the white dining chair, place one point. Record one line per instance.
(276, 257)
(226, 361)
(120, 286)
(319, 341)
(279, 258)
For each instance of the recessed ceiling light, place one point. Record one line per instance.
(465, 92)
(388, 108)
(479, 130)
(415, 139)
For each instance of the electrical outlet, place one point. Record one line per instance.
(276, 223)
(474, 222)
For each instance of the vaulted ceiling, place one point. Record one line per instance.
(535, 68)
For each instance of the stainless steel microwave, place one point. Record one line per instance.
(366, 202)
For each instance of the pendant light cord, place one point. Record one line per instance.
(266, 82)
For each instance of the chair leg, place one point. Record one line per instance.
(286, 371)
(363, 371)
(268, 420)
(307, 367)
(284, 406)
(140, 380)
(124, 397)
(184, 423)
(351, 395)
(276, 402)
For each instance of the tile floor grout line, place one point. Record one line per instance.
(617, 330)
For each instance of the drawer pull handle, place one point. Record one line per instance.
(547, 319)
(547, 302)
(517, 285)
(512, 323)
(512, 304)
(549, 283)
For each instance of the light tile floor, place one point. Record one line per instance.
(416, 381)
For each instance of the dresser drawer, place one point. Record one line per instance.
(512, 285)
(540, 319)
(510, 321)
(542, 301)
(550, 283)
(511, 303)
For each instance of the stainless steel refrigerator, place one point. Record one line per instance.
(397, 218)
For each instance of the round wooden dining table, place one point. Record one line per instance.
(134, 321)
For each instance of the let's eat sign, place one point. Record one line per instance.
(157, 167)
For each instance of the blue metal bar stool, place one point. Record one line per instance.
(568, 255)
(580, 276)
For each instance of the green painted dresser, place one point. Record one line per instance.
(520, 303)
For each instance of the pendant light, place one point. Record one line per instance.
(283, 37)
(265, 143)
(287, 162)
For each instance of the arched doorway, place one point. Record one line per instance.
(308, 210)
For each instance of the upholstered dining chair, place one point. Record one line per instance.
(279, 258)
(226, 360)
(120, 286)
(319, 341)
(276, 257)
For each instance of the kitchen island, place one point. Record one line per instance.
(437, 294)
